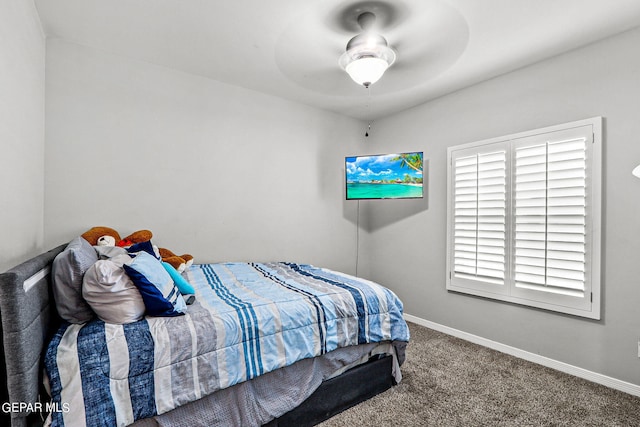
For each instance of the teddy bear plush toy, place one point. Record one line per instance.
(106, 236)
(179, 262)
(101, 236)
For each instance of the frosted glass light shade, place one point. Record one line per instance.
(366, 71)
(636, 171)
(367, 58)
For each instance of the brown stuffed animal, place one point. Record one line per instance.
(179, 262)
(101, 236)
(105, 236)
(135, 237)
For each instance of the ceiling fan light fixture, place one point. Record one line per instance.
(367, 70)
(368, 55)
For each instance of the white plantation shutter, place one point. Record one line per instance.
(523, 218)
(551, 199)
(480, 216)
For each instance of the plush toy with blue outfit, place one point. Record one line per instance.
(106, 236)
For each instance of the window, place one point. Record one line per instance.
(523, 218)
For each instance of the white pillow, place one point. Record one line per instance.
(111, 293)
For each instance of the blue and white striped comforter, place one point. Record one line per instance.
(248, 319)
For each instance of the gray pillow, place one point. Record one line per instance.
(111, 293)
(68, 270)
(106, 252)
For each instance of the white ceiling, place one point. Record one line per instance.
(290, 48)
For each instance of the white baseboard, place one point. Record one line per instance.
(595, 377)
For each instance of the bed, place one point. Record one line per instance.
(226, 361)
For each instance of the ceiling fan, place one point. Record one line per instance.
(412, 41)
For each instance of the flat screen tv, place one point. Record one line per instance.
(384, 176)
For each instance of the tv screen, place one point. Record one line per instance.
(384, 176)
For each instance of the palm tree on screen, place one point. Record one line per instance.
(413, 161)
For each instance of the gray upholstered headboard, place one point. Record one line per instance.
(28, 317)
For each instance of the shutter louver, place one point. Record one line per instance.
(480, 217)
(550, 217)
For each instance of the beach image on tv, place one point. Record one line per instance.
(388, 176)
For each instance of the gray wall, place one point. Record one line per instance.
(406, 240)
(132, 145)
(22, 79)
(218, 171)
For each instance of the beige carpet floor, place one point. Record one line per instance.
(451, 382)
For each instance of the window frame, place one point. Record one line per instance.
(588, 306)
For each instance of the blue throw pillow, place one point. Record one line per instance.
(142, 246)
(182, 284)
(161, 297)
